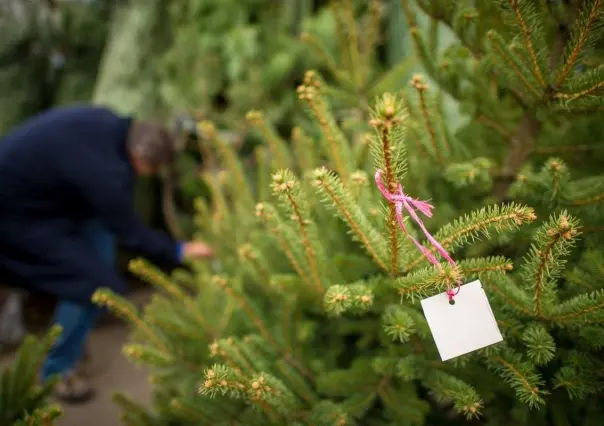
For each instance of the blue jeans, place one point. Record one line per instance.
(77, 320)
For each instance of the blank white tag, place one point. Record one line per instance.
(464, 327)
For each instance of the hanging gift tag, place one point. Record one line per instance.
(462, 327)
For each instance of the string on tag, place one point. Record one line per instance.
(404, 202)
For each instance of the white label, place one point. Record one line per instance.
(464, 327)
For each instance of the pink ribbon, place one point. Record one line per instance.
(402, 201)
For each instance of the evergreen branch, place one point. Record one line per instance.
(220, 207)
(277, 146)
(125, 309)
(492, 124)
(484, 267)
(231, 160)
(541, 345)
(262, 172)
(304, 148)
(286, 187)
(240, 357)
(546, 150)
(581, 309)
(576, 376)
(248, 254)
(155, 277)
(251, 311)
(353, 41)
(339, 299)
(276, 226)
(421, 88)
(298, 383)
(468, 228)
(332, 66)
(449, 388)
(392, 77)
(528, 38)
(389, 155)
(337, 146)
(420, 47)
(583, 34)
(398, 324)
(347, 208)
(147, 355)
(513, 296)
(520, 375)
(222, 380)
(498, 45)
(543, 264)
(582, 86)
(371, 39)
(427, 281)
(591, 200)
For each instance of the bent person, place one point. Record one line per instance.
(66, 195)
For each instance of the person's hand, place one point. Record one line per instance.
(197, 250)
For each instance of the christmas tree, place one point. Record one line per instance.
(23, 401)
(310, 313)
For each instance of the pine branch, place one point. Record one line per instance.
(343, 77)
(305, 151)
(544, 265)
(503, 287)
(541, 345)
(149, 355)
(262, 172)
(584, 34)
(580, 310)
(431, 280)
(520, 375)
(286, 238)
(231, 160)
(421, 88)
(155, 277)
(353, 298)
(347, 208)
(352, 45)
(277, 146)
(337, 147)
(448, 388)
(125, 309)
(427, 282)
(524, 10)
(389, 155)
(220, 208)
(398, 324)
(468, 228)
(258, 266)
(248, 307)
(287, 188)
(510, 65)
(577, 378)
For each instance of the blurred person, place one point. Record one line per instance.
(66, 196)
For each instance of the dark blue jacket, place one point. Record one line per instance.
(56, 170)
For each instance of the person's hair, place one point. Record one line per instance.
(151, 143)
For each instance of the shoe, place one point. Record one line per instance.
(74, 388)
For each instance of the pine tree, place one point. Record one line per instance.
(310, 313)
(23, 402)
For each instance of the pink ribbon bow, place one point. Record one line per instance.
(402, 201)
